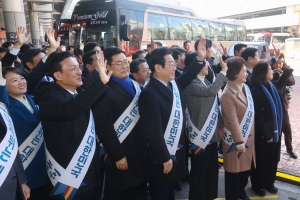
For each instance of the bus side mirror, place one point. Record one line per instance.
(125, 32)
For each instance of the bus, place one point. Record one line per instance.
(278, 39)
(130, 25)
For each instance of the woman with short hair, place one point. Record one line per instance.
(238, 141)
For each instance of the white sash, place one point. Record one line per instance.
(126, 122)
(203, 137)
(31, 145)
(174, 127)
(8, 146)
(78, 166)
(246, 122)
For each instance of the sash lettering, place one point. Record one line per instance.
(126, 122)
(174, 127)
(245, 125)
(202, 138)
(31, 145)
(8, 146)
(67, 181)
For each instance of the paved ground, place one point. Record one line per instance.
(287, 164)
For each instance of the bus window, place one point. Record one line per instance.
(157, 27)
(77, 36)
(230, 32)
(279, 39)
(180, 28)
(200, 29)
(217, 31)
(241, 33)
(105, 37)
(266, 39)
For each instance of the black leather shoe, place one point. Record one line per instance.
(178, 186)
(260, 192)
(272, 190)
(293, 155)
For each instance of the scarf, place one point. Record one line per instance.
(276, 108)
(126, 84)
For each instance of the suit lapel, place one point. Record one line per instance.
(24, 110)
(119, 89)
(242, 98)
(162, 88)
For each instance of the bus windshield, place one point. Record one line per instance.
(280, 39)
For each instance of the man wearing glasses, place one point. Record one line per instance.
(117, 122)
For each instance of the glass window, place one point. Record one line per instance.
(230, 32)
(217, 31)
(157, 27)
(200, 29)
(241, 33)
(280, 39)
(180, 28)
(77, 36)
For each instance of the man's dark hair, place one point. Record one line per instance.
(69, 47)
(189, 58)
(53, 62)
(208, 44)
(185, 42)
(62, 43)
(87, 57)
(159, 44)
(136, 54)
(148, 45)
(10, 69)
(234, 64)
(90, 46)
(134, 65)
(238, 47)
(3, 49)
(281, 56)
(174, 46)
(109, 52)
(6, 44)
(177, 52)
(157, 57)
(259, 73)
(28, 56)
(78, 52)
(248, 52)
(24, 47)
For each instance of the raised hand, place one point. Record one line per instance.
(277, 51)
(122, 164)
(101, 66)
(54, 44)
(225, 50)
(21, 37)
(223, 65)
(201, 49)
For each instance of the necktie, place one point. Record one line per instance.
(170, 87)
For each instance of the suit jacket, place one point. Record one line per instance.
(65, 119)
(155, 105)
(234, 104)
(134, 147)
(25, 122)
(248, 80)
(11, 187)
(200, 99)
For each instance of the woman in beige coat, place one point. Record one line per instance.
(238, 144)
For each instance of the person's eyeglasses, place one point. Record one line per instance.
(74, 69)
(120, 64)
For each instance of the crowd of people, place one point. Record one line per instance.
(90, 124)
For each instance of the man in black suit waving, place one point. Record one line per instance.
(162, 105)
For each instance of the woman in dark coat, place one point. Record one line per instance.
(268, 128)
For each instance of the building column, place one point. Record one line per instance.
(34, 27)
(14, 16)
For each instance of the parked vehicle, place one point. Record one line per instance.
(263, 49)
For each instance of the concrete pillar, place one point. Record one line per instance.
(42, 35)
(14, 16)
(34, 27)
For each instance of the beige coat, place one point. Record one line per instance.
(234, 105)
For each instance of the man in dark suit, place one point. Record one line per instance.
(14, 185)
(66, 120)
(179, 55)
(125, 158)
(155, 106)
(250, 55)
